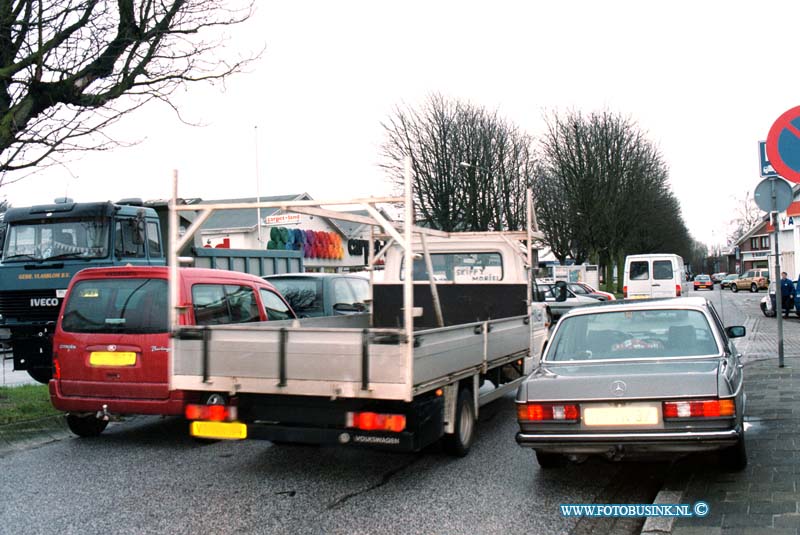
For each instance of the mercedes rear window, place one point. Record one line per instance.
(133, 306)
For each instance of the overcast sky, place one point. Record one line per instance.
(705, 80)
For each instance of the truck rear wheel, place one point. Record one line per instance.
(459, 443)
(41, 375)
(86, 426)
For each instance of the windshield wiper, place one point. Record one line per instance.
(67, 255)
(23, 255)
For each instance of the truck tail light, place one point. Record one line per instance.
(548, 412)
(677, 290)
(214, 413)
(373, 421)
(703, 408)
(624, 292)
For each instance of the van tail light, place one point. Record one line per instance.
(373, 421)
(678, 290)
(214, 413)
(56, 367)
(548, 412)
(704, 408)
(624, 292)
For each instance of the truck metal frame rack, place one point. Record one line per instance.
(349, 359)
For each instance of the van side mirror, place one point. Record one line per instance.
(561, 291)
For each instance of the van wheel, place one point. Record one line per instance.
(753, 287)
(734, 288)
(459, 443)
(86, 426)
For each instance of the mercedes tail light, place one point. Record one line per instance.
(701, 408)
(677, 290)
(548, 412)
(624, 292)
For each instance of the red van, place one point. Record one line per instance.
(111, 344)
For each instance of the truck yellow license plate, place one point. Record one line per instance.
(219, 430)
(621, 415)
(112, 358)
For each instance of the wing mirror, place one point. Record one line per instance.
(561, 291)
(736, 331)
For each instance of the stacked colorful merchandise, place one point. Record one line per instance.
(313, 243)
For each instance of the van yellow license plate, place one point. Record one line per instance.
(623, 415)
(219, 430)
(112, 358)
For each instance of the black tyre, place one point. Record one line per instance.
(459, 443)
(86, 426)
(41, 375)
(550, 460)
(734, 288)
(734, 459)
(753, 287)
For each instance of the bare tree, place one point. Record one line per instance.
(747, 215)
(471, 167)
(69, 69)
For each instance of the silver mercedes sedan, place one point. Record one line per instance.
(622, 377)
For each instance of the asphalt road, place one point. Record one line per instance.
(145, 475)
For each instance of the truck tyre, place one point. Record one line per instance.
(550, 460)
(86, 426)
(734, 459)
(41, 375)
(459, 443)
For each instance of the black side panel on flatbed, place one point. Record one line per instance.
(315, 420)
(461, 303)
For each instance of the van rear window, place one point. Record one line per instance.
(640, 270)
(662, 270)
(133, 306)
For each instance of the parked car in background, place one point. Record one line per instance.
(753, 280)
(717, 277)
(703, 282)
(572, 300)
(111, 343)
(726, 282)
(581, 288)
(314, 295)
(619, 378)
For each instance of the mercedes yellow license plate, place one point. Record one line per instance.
(621, 415)
(219, 430)
(112, 358)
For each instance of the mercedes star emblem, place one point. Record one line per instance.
(618, 388)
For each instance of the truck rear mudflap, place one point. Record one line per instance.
(388, 425)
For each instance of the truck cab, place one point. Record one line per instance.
(45, 246)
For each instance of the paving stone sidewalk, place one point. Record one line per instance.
(765, 497)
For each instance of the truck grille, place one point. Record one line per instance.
(29, 305)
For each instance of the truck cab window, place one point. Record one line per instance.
(153, 240)
(125, 242)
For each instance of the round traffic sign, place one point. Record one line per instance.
(783, 145)
(763, 195)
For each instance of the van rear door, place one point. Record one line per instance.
(115, 339)
(665, 277)
(639, 279)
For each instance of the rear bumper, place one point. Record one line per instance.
(662, 441)
(172, 405)
(404, 441)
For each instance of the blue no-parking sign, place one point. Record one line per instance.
(765, 168)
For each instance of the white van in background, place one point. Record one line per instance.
(654, 275)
